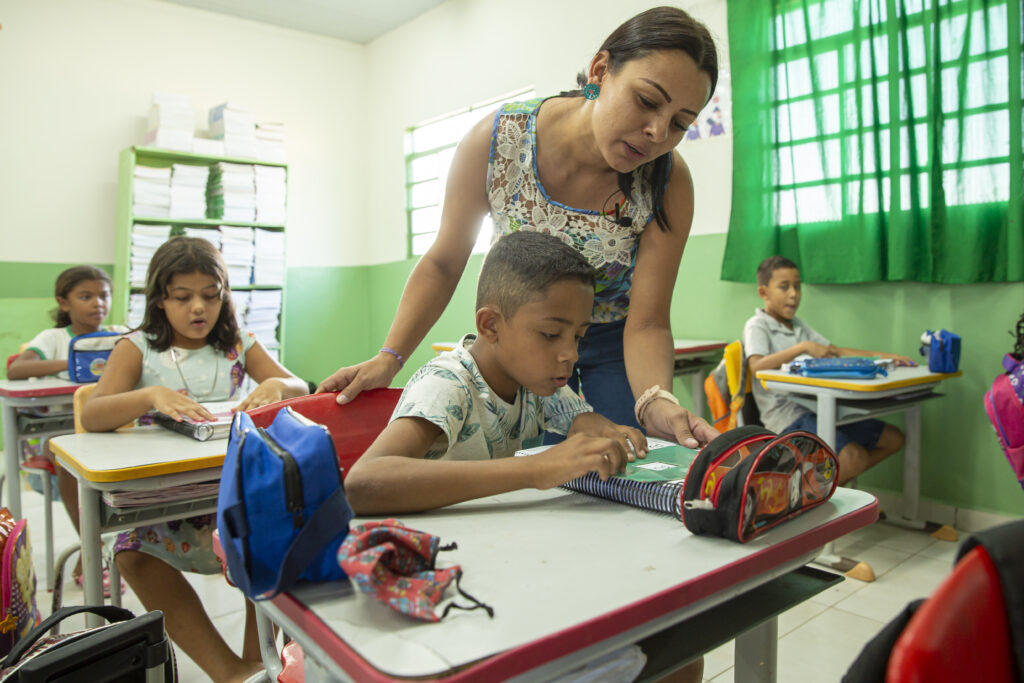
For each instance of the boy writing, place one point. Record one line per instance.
(463, 413)
(775, 336)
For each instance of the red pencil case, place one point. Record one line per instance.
(749, 480)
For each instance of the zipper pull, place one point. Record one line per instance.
(704, 504)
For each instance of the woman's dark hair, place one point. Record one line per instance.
(181, 256)
(1018, 347)
(66, 281)
(659, 28)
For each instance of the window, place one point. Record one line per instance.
(429, 149)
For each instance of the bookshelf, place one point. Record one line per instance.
(127, 219)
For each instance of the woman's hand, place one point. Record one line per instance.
(349, 382)
(268, 391)
(670, 421)
(632, 439)
(178, 406)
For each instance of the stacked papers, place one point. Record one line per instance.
(240, 300)
(236, 126)
(264, 315)
(151, 191)
(145, 241)
(236, 245)
(268, 261)
(270, 142)
(211, 235)
(188, 191)
(271, 194)
(231, 193)
(170, 124)
(136, 310)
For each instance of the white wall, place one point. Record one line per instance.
(76, 77)
(468, 51)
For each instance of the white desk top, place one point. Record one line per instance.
(563, 571)
(898, 378)
(36, 387)
(136, 453)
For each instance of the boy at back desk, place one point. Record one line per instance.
(775, 336)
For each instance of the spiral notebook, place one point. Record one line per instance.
(652, 483)
(219, 428)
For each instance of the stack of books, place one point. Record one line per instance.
(151, 192)
(264, 316)
(270, 142)
(236, 126)
(236, 245)
(231, 192)
(170, 124)
(271, 194)
(268, 259)
(145, 241)
(188, 191)
(136, 310)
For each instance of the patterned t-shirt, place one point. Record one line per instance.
(476, 423)
(518, 201)
(204, 374)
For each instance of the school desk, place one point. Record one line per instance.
(570, 578)
(842, 401)
(141, 459)
(692, 357)
(26, 393)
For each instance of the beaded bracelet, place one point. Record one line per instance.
(388, 349)
(649, 397)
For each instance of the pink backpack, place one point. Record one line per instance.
(1005, 409)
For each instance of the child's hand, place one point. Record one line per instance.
(901, 361)
(178, 406)
(268, 391)
(576, 456)
(632, 439)
(819, 350)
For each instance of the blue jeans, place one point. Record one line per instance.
(600, 375)
(866, 432)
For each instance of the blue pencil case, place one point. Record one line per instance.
(837, 368)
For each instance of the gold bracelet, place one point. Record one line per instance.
(648, 397)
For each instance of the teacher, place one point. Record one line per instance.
(597, 168)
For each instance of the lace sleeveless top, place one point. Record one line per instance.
(518, 201)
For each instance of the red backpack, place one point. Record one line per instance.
(1005, 409)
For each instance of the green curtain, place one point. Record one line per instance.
(877, 139)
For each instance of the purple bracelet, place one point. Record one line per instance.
(388, 349)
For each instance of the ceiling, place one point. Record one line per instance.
(359, 21)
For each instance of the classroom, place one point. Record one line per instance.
(78, 78)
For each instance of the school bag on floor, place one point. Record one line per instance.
(88, 353)
(281, 510)
(1005, 410)
(18, 613)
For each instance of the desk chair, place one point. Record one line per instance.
(729, 392)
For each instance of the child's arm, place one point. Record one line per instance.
(775, 360)
(116, 401)
(29, 364)
(592, 424)
(393, 477)
(845, 351)
(275, 382)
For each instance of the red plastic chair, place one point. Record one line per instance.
(961, 633)
(353, 426)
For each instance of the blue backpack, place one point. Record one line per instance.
(88, 353)
(942, 349)
(281, 510)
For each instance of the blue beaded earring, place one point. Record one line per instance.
(591, 91)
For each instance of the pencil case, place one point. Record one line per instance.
(749, 480)
(837, 368)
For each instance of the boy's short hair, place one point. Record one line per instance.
(770, 265)
(521, 266)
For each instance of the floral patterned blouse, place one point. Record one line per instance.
(519, 202)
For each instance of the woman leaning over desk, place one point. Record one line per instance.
(596, 167)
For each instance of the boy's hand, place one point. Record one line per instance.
(269, 391)
(631, 438)
(819, 350)
(675, 423)
(178, 406)
(902, 361)
(576, 456)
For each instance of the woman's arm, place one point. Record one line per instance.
(437, 273)
(275, 382)
(29, 364)
(648, 346)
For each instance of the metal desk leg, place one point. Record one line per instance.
(698, 392)
(756, 654)
(911, 471)
(48, 524)
(92, 565)
(268, 645)
(12, 459)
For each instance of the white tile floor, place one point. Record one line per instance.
(817, 640)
